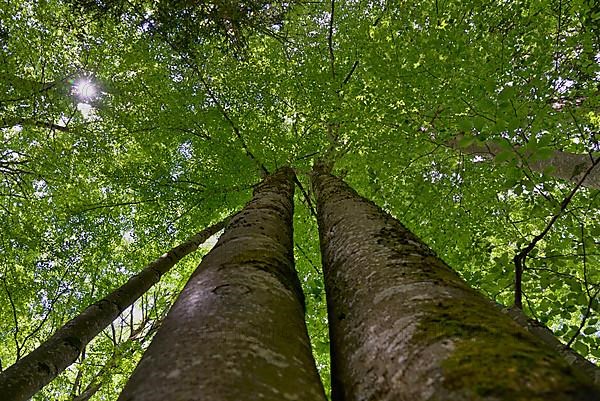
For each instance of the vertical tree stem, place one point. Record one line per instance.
(237, 330)
(405, 327)
(28, 375)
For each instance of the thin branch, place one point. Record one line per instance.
(194, 67)
(521, 256)
(306, 156)
(554, 272)
(306, 196)
(113, 205)
(14, 312)
(470, 106)
(586, 315)
(350, 73)
(236, 130)
(35, 123)
(307, 258)
(531, 308)
(77, 383)
(591, 297)
(558, 256)
(559, 22)
(47, 314)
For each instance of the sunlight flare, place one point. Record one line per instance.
(85, 89)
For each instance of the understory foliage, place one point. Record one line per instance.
(128, 126)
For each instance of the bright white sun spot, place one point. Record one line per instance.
(85, 89)
(87, 111)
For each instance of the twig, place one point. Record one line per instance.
(350, 73)
(14, 311)
(306, 196)
(307, 258)
(591, 297)
(588, 311)
(194, 66)
(520, 257)
(236, 131)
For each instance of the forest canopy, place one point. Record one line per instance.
(128, 126)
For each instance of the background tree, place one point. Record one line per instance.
(163, 147)
(32, 372)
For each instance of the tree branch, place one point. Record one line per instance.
(15, 318)
(349, 75)
(306, 196)
(521, 256)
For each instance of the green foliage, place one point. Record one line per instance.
(180, 126)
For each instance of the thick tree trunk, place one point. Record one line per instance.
(404, 326)
(237, 330)
(28, 375)
(563, 165)
(546, 335)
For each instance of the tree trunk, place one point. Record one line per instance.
(237, 330)
(404, 326)
(122, 351)
(28, 375)
(563, 165)
(546, 335)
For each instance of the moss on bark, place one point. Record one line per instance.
(405, 327)
(237, 330)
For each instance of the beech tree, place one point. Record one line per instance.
(432, 337)
(563, 165)
(127, 127)
(237, 330)
(38, 368)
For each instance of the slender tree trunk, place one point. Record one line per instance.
(563, 165)
(121, 351)
(28, 375)
(237, 330)
(406, 327)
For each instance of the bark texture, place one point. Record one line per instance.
(563, 165)
(545, 334)
(28, 375)
(405, 327)
(237, 330)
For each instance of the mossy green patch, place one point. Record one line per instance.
(494, 358)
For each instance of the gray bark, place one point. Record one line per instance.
(405, 327)
(564, 165)
(237, 330)
(28, 375)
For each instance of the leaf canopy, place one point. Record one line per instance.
(189, 110)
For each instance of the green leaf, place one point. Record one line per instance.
(504, 155)
(514, 124)
(590, 330)
(465, 125)
(466, 141)
(479, 123)
(581, 348)
(507, 93)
